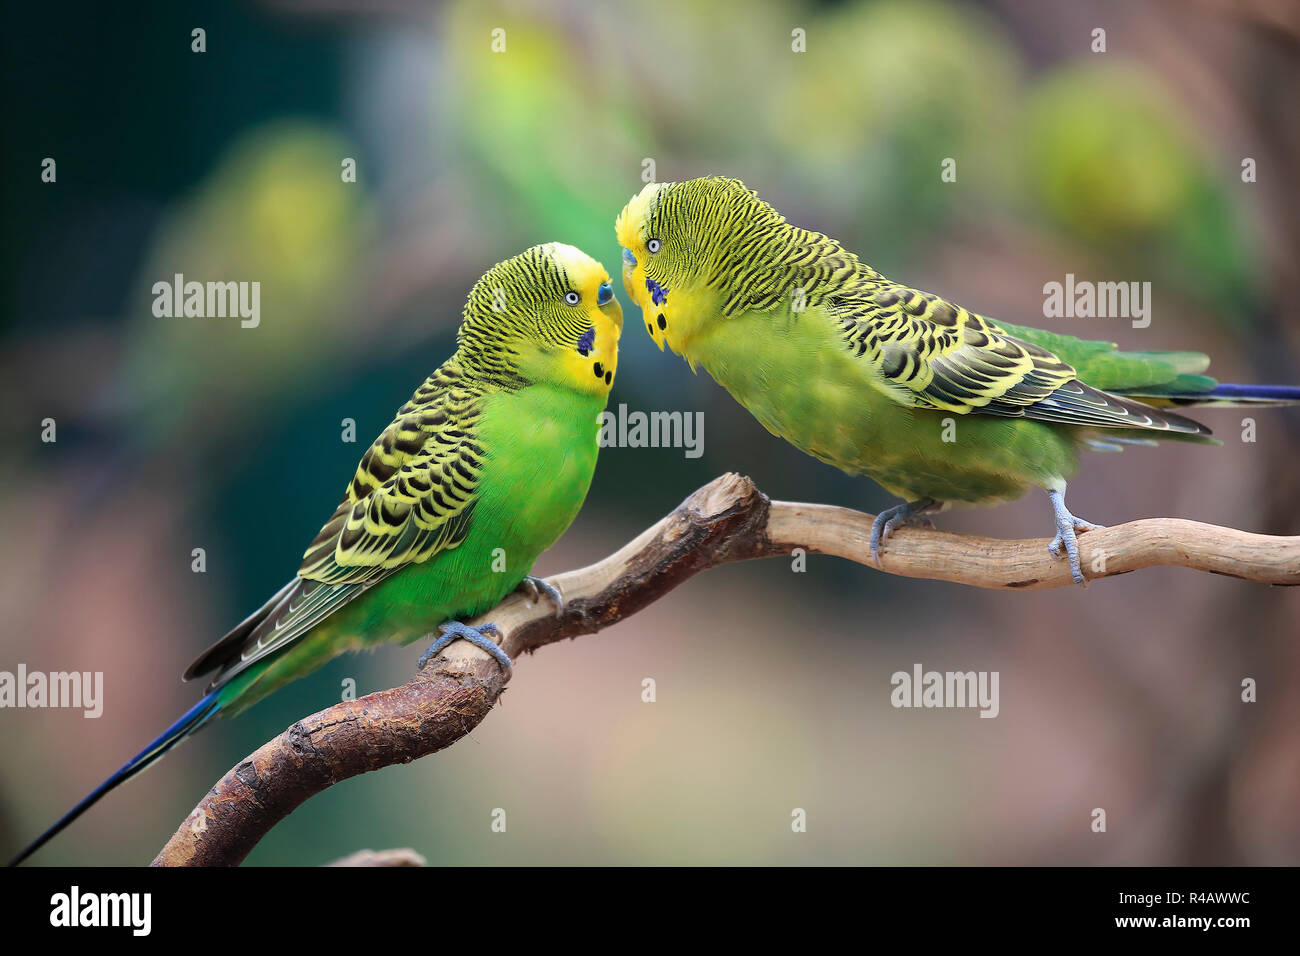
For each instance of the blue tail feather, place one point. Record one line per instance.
(1274, 393)
(192, 720)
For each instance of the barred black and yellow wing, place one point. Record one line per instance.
(413, 495)
(935, 354)
(413, 492)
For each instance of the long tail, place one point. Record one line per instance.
(193, 719)
(1223, 395)
(1227, 394)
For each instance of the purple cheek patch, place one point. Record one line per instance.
(658, 294)
(587, 341)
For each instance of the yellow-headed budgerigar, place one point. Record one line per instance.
(862, 372)
(482, 470)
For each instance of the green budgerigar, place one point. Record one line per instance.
(482, 470)
(937, 404)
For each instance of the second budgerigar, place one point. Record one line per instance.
(936, 403)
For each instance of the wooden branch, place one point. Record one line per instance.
(727, 520)
(378, 858)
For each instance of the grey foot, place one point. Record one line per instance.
(478, 636)
(535, 586)
(892, 518)
(1067, 534)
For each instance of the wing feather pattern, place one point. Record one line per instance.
(934, 354)
(412, 496)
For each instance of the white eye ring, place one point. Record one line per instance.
(572, 298)
(653, 246)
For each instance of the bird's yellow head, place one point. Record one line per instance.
(677, 241)
(547, 315)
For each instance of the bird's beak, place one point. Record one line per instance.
(629, 267)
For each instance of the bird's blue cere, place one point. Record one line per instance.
(604, 293)
(629, 258)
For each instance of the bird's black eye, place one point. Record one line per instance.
(653, 245)
(572, 298)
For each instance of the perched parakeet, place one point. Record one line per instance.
(862, 372)
(486, 465)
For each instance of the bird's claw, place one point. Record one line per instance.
(1068, 529)
(534, 587)
(1078, 528)
(478, 636)
(891, 519)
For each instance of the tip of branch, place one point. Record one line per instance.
(402, 857)
(726, 493)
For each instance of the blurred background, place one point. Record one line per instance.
(772, 686)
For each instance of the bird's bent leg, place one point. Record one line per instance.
(532, 585)
(1067, 528)
(891, 518)
(478, 636)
